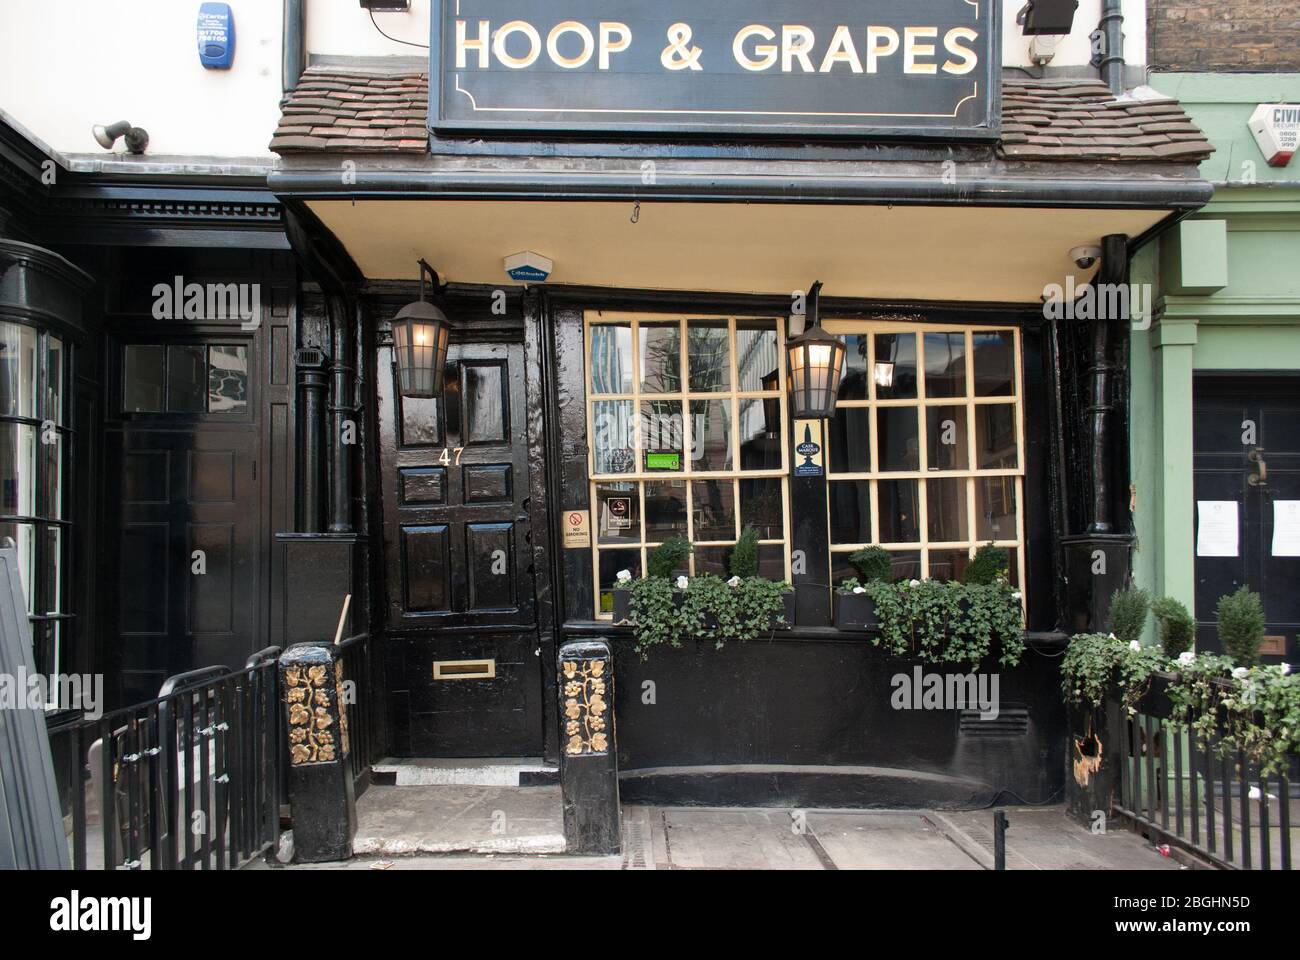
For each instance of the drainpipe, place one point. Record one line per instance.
(295, 43)
(1112, 58)
(1104, 370)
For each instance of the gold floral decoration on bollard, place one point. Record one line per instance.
(310, 717)
(586, 709)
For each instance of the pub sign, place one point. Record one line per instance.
(724, 68)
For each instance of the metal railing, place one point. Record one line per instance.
(191, 780)
(354, 653)
(1192, 795)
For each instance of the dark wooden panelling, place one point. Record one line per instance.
(144, 477)
(426, 565)
(490, 559)
(488, 483)
(424, 485)
(212, 476)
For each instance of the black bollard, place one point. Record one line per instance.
(588, 760)
(1000, 825)
(320, 777)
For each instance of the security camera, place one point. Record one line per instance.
(1085, 256)
(107, 134)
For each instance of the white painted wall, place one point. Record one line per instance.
(68, 64)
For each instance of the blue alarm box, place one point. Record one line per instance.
(216, 36)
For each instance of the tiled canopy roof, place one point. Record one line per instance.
(336, 110)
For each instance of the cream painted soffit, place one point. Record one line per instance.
(993, 254)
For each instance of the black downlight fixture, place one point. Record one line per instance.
(421, 333)
(1047, 18)
(816, 365)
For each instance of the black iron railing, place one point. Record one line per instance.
(354, 653)
(1193, 795)
(191, 780)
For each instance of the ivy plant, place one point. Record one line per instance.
(941, 622)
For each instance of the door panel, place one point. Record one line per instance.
(458, 558)
(1247, 450)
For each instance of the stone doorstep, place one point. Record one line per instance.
(404, 847)
(486, 772)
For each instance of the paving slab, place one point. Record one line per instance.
(400, 821)
(1047, 838)
(902, 840)
(732, 839)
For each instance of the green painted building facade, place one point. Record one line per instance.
(1225, 333)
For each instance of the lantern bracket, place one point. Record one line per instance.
(434, 280)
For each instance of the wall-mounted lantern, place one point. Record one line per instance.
(816, 365)
(421, 333)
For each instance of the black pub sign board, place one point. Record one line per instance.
(726, 68)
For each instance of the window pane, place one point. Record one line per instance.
(611, 358)
(900, 511)
(712, 560)
(995, 517)
(850, 440)
(24, 537)
(227, 379)
(618, 513)
(995, 436)
(143, 384)
(995, 364)
(945, 364)
(761, 507)
(905, 565)
(53, 585)
(18, 468)
(850, 511)
(17, 370)
(853, 385)
(612, 437)
(709, 354)
(54, 381)
(51, 505)
(661, 357)
(608, 564)
(420, 423)
(663, 435)
(897, 436)
(713, 503)
(945, 437)
(760, 438)
(945, 504)
(187, 378)
(711, 435)
(771, 561)
(895, 369)
(948, 564)
(758, 361)
(665, 510)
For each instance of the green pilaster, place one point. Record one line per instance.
(1175, 348)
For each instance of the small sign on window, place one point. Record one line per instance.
(663, 461)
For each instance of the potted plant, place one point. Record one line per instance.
(743, 564)
(854, 607)
(665, 560)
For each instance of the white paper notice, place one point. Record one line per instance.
(1216, 533)
(1286, 528)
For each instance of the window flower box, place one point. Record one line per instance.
(855, 610)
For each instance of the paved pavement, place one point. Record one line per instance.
(513, 828)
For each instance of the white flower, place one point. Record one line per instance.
(623, 576)
(1286, 669)
(1113, 637)
(683, 583)
(859, 589)
(914, 583)
(1016, 595)
(1240, 673)
(1186, 658)
(734, 582)
(1134, 646)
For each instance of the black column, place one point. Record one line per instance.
(342, 312)
(313, 389)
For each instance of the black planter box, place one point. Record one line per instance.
(855, 611)
(623, 606)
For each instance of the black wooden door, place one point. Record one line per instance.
(464, 673)
(1247, 450)
(181, 489)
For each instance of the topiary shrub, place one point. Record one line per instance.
(1177, 628)
(1241, 626)
(744, 556)
(1128, 613)
(990, 565)
(669, 557)
(872, 563)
